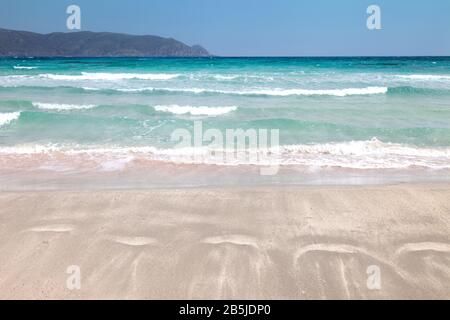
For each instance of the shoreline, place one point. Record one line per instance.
(166, 175)
(427, 184)
(233, 243)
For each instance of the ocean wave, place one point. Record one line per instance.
(221, 77)
(6, 118)
(57, 106)
(24, 68)
(245, 77)
(271, 92)
(368, 147)
(424, 77)
(195, 111)
(319, 92)
(110, 76)
(151, 89)
(93, 89)
(409, 90)
(267, 92)
(371, 154)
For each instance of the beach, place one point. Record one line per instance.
(313, 242)
(225, 178)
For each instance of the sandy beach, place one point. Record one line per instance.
(211, 243)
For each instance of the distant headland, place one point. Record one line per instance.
(92, 44)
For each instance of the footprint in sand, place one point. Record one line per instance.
(336, 248)
(134, 241)
(427, 265)
(58, 228)
(322, 247)
(238, 240)
(423, 246)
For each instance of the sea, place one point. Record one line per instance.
(114, 121)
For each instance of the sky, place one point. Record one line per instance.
(255, 27)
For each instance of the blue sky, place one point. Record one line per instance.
(255, 27)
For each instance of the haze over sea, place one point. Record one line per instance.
(332, 113)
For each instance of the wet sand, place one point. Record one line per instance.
(366, 242)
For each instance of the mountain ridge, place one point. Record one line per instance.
(92, 44)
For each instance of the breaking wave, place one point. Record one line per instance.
(196, 111)
(56, 106)
(111, 76)
(6, 118)
(272, 92)
(371, 154)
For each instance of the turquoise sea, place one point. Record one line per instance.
(356, 113)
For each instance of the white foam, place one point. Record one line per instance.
(57, 106)
(371, 154)
(189, 90)
(6, 118)
(425, 77)
(318, 92)
(244, 76)
(274, 92)
(117, 164)
(24, 68)
(111, 76)
(225, 77)
(369, 147)
(196, 111)
(31, 149)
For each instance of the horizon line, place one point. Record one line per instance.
(228, 57)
